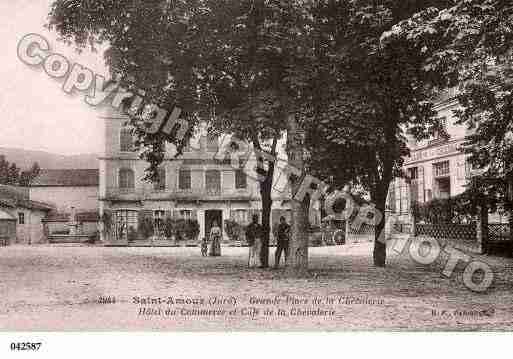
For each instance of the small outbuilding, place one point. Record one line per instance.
(7, 228)
(28, 215)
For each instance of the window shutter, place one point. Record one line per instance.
(184, 178)
(126, 141)
(126, 178)
(421, 188)
(212, 143)
(240, 179)
(160, 183)
(213, 181)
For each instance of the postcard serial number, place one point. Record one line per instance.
(26, 346)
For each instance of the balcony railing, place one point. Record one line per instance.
(213, 191)
(151, 193)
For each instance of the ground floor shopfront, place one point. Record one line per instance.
(438, 171)
(125, 217)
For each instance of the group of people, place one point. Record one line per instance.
(254, 234)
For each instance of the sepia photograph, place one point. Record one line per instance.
(255, 166)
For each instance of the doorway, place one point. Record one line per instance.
(443, 186)
(211, 216)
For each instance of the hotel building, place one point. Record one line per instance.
(191, 186)
(436, 168)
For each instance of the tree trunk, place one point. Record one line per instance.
(380, 247)
(266, 224)
(298, 257)
(265, 195)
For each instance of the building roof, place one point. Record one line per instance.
(89, 216)
(30, 204)
(67, 178)
(5, 216)
(12, 197)
(13, 192)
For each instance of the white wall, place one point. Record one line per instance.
(31, 232)
(63, 198)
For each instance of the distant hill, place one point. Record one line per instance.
(25, 158)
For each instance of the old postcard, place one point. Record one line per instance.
(255, 165)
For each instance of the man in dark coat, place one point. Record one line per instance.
(282, 242)
(254, 238)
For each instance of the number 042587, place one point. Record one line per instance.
(25, 346)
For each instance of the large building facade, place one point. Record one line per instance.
(436, 168)
(192, 186)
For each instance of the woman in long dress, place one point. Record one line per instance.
(215, 237)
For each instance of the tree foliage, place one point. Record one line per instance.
(381, 93)
(469, 45)
(11, 174)
(241, 65)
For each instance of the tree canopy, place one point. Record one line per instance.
(11, 174)
(469, 46)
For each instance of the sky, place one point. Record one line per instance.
(36, 113)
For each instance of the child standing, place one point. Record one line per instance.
(204, 247)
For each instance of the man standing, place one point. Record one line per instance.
(283, 242)
(254, 239)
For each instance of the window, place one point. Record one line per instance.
(126, 178)
(440, 136)
(240, 216)
(126, 141)
(443, 187)
(212, 143)
(21, 218)
(415, 184)
(186, 214)
(184, 179)
(404, 193)
(401, 196)
(187, 146)
(240, 179)
(469, 168)
(160, 182)
(213, 182)
(391, 197)
(126, 224)
(158, 220)
(413, 173)
(159, 214)
(441, 169)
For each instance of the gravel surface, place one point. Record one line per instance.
(60, 289)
